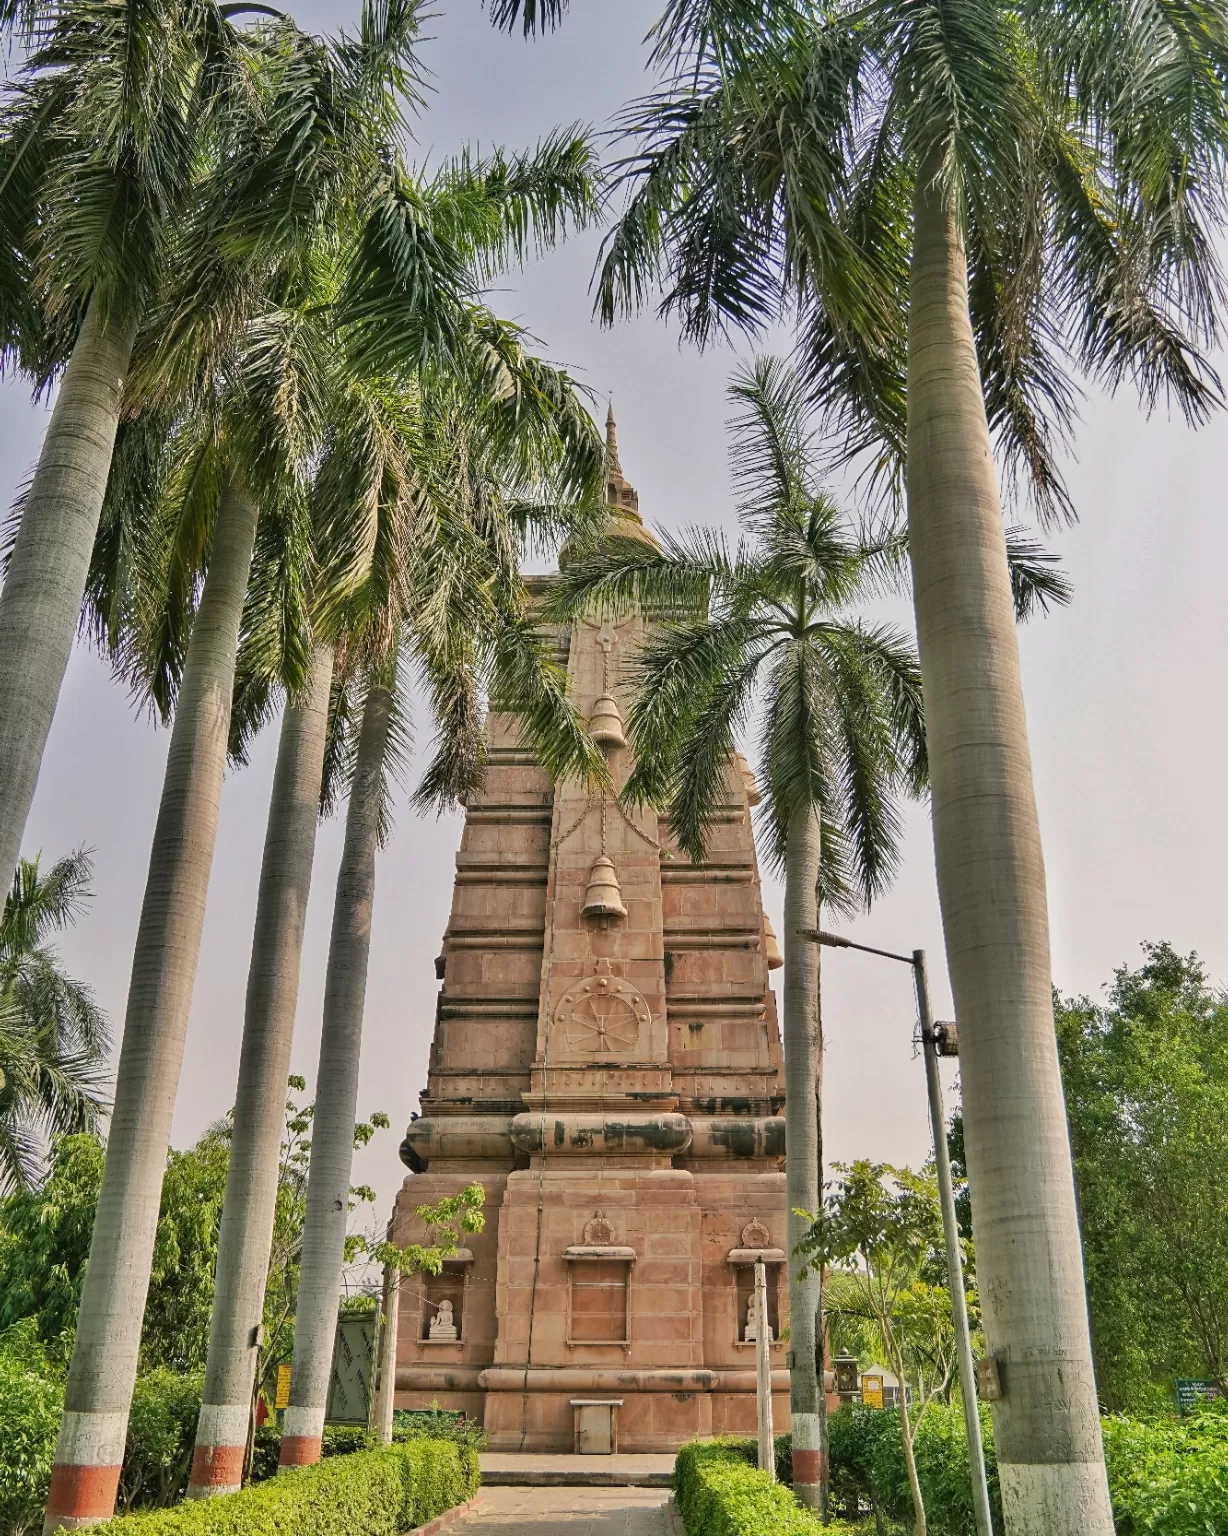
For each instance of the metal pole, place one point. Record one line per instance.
(955, 1267)
(763, 1374)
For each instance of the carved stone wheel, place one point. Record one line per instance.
(602, 1016)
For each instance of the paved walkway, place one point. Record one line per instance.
(570, 1512)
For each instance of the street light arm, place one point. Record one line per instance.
(835, 941)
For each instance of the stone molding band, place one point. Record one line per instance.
(494, 1138)
(574, 1378)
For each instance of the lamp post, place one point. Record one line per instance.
(944, 1038)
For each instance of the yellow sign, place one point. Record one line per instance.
(282, 1399)
(872, 1391)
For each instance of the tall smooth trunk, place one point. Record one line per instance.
(248, 1211)
(40, 601)
(991, 884)
(803, 1193)
(100, 1379)
(332, 1132)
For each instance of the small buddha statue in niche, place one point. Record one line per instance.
(751, 1332)
(443, 1328)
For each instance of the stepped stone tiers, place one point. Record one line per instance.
(607, 1064)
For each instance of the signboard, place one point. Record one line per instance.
(349, 1398)
(282, 1400)
(1191, 1393)
(872, 1391)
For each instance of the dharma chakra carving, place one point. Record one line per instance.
(600, 1231)
(602, 1016)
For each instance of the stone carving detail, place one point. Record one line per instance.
(442, 1325)
(602, 1016)
(599, 1231)
(751, 1333)
(756, 1235)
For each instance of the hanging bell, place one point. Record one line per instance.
(603, 897)
(605, 724)
(770, 947)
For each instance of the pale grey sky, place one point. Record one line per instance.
(1122, 688)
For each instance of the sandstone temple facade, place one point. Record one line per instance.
(607, 1064)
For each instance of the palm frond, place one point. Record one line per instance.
(1036, 580)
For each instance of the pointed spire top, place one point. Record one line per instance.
(611, 440)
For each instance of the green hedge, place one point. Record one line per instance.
(371, 1493)
(720, 1492)
(1169, 1477)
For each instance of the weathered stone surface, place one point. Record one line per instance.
(616, 1085)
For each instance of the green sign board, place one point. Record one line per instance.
(1191, 1393)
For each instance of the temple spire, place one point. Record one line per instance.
(611, 440)
(620, 494)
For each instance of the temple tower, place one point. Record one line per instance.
(606, 1063)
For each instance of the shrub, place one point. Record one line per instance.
(867, 1466)
(438, 1424)
(372, 1493)
(720, 1492)
(31, 1400)
(161, 1438)
(1168, 1476)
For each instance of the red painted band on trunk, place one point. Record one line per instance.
(300, 1450)
(82, 1493)
(807, 1466)
(217, 1466)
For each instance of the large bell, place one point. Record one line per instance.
(770, 947)
(605, 724)
(603, 897)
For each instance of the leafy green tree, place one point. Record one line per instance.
(957, 204)
(771, 625)
(1146, 1079)
(31, 1399)
(53, 1036)
(45, 1241)
(882, 1229)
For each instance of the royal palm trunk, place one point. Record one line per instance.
(802, 1189)
(991, 884)
(332, 1131)
(40, 602)
(104, 1361)
(248, 1211)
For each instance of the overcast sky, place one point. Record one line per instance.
(1124, 689)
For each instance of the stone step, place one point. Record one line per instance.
(530, 1469)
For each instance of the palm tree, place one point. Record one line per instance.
(445, 599)
(371, 467)
(242, 426)
(102, 137)
(957, 201)
(53, 1036)
(768, 625)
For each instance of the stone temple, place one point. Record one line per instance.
(607, 1064)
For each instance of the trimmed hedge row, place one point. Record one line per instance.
(371, 1493)
(720, 1492)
